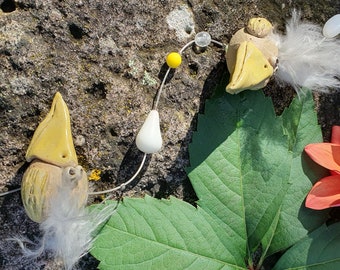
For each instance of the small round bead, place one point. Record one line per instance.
(174, 59)
(202, 39)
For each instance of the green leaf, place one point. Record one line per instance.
(319, 250)
(300, 125)
(167, 234)
(258, 171)
(249, 175)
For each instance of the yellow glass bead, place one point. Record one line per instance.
(174, 59)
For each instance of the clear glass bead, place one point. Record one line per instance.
(202, 39)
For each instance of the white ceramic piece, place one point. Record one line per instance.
(332, 27)
(149, 138)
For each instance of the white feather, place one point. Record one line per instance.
(68, 232)
(306, 58)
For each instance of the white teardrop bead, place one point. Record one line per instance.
(332, 27)
(149, 138)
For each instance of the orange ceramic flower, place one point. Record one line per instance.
(326, 192)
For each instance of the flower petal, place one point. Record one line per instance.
(335, 135)
(324, 194)
(334, 172)
(325, 154)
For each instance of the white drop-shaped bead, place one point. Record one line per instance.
(149, 138)
(332, 27)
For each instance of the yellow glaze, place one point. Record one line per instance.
(52, 141)
(41, 183)
(247, 44)
(54, 176)
(252, 69)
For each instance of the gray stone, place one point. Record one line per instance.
(107, 60)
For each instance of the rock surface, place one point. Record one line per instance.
(107, 60)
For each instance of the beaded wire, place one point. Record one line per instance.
(173, 60)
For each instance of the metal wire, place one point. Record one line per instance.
(159, 92)
(9, 192)
(154, 107)
(124, 184)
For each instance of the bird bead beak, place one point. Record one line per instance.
(252, 70)
(52, 141)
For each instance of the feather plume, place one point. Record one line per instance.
(68, 231)
(306, 58)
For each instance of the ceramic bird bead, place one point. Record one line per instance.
(251, 56)
(53, 165)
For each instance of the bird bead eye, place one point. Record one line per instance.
(72, 174)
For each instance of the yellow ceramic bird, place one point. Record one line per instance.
(251, 56)
(54, 164)
(55, 189)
